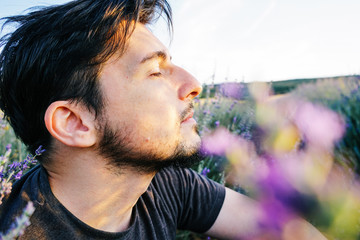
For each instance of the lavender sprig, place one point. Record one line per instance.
(21, 223)
(10, 172)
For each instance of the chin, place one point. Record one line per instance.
(193, 146)
(192, 137)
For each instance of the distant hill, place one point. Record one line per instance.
(279, 87)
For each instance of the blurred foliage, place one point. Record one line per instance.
(342, 96)
(7, 136)
(339, 94)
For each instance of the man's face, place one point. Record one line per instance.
(148, 112)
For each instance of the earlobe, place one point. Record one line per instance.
(71, 124)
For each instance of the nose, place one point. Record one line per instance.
(189, 87)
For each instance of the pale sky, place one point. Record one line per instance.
(256, 40)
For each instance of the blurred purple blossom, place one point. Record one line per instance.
(320, 126)
(5, 188)
(205, 171)
(246, 134)
(206, 112)
(219, 141)
(8, 147)
(275, 214)
(21, 223)
(232, 90)
(276, 184)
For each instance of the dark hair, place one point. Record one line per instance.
(55, 54)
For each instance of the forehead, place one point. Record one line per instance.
(141, 43)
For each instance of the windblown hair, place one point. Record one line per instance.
(56, 53)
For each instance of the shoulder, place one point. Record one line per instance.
(179, 174)
(198, 200)
(186, 178)
(188, 186)
(178, 179)
(175, 174)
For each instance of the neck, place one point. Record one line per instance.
(94, 193)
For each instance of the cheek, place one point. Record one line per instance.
(156, 120)
(154, 111)
(149, 116)
(156, 129)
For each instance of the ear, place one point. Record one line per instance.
(71, 123)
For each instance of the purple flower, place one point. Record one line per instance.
(219, 142)
(21, 222)
(320, 126)
(30, 159)
(217, 123)
(275, 214)
(234, 119)
(40, 150)
(232, 90)
(18, 175)
(246, 135)
(15, 165)
(205, 112)
(15, 169)
(205, 171)
(275, 184)
(8, 147)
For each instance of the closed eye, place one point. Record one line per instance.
(157, 74)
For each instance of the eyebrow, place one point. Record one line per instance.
(158, 54)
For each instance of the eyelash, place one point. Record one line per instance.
(157, 74)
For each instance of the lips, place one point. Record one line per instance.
(188, 116)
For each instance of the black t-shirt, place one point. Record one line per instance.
(176, 199)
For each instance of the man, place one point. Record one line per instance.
(89, 82)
